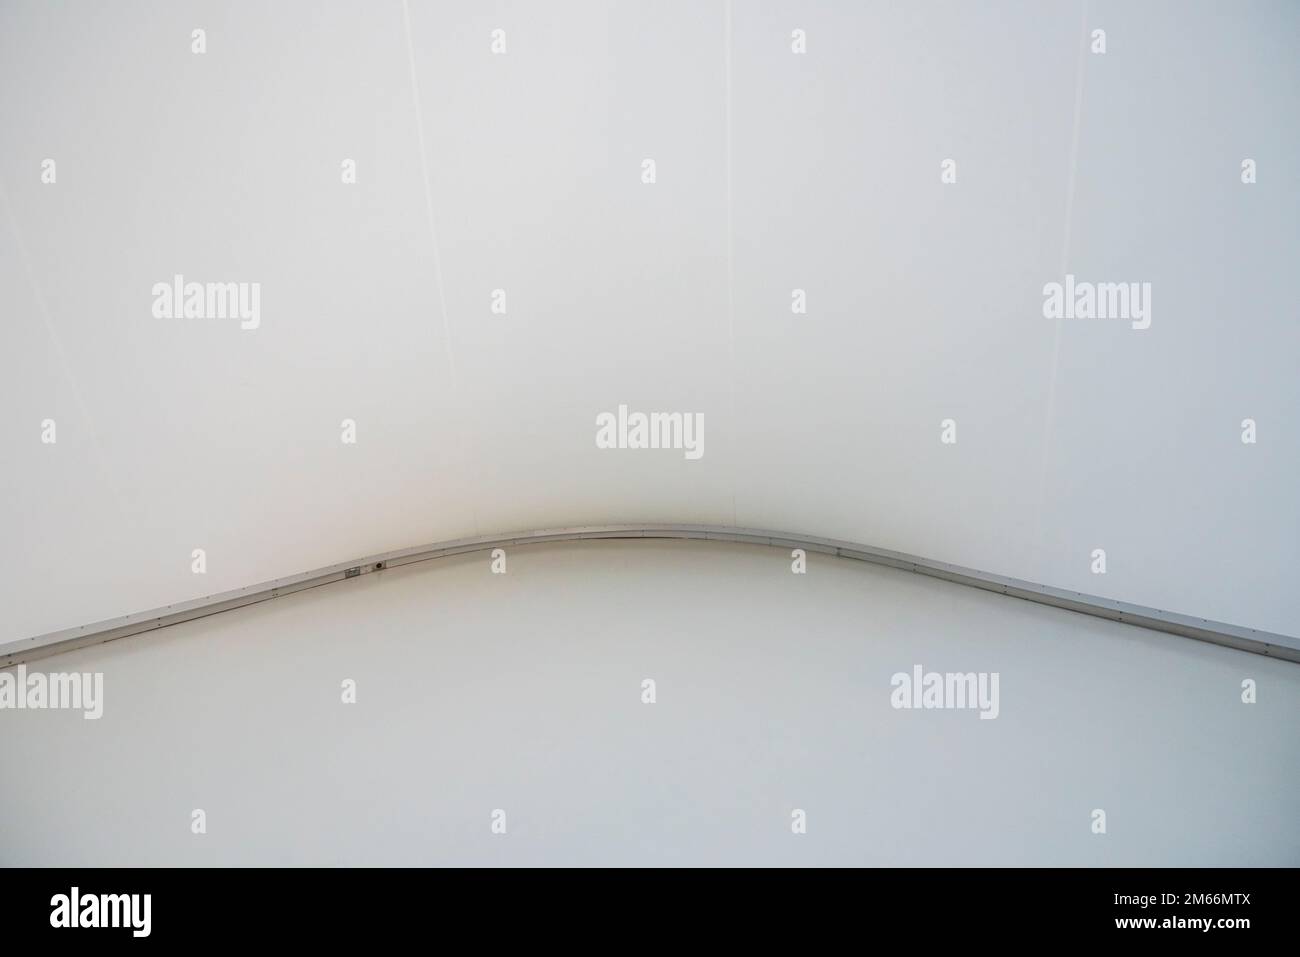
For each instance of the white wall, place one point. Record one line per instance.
(775, 171)
(522, 692)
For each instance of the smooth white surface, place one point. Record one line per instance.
(924, 299)
(521, 691)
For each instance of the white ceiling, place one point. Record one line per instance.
(522, 172)
(522, 692)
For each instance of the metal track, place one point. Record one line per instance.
(1219, 633)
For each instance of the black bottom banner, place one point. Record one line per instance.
(333, 907)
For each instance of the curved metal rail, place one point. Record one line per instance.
(1219, 633)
